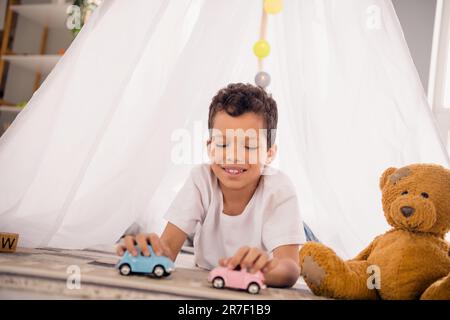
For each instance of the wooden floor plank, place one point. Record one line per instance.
(45, 272)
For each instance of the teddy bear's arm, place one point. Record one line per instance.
(440, 290)
(363, 255)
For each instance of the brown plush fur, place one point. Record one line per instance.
(412, 259)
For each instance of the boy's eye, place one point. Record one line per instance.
(220, 145)
(250, 148)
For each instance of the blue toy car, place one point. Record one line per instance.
(159, 266)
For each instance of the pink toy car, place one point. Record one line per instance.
(238, 278)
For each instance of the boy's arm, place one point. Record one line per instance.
(281, 271)
(174, 238)
(286, 270)
(169, 244)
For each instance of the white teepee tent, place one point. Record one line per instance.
(91, 154)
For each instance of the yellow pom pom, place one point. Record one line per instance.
(261, 49)
(273, 6)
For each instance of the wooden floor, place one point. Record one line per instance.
(49, 274)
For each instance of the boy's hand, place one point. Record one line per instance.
(252, 259)
(143, 240)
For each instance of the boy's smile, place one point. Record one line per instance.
(233, 170)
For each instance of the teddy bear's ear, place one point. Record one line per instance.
(386, 174)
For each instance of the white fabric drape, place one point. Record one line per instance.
(95, 150)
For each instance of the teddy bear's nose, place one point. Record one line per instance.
(407, 211)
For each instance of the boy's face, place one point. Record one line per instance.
(238, 149)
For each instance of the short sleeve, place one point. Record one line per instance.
(186, 210)
(283, 224)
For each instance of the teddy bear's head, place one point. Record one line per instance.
(417, 198)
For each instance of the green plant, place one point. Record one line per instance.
(79, 13)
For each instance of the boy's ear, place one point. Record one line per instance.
(208, 146)
(271, 153)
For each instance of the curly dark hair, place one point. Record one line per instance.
(239, 98)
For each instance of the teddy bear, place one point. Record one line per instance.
(410, 261)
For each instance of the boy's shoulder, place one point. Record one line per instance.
(276, 180)
(276, 175)
(201, 173)
(202, 169)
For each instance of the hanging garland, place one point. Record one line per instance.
(261, 48)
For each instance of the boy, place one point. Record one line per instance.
(243, 211)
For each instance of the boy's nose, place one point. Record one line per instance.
(235, 155)
(234, 159)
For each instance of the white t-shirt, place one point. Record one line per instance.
(270, 219)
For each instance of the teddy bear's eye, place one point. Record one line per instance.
(425, 195)
(404, 193)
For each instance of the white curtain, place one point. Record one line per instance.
(98, 146)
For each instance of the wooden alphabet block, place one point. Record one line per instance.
(8, 242)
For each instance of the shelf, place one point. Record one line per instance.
(12, 109)
(36, 63)
(49, 15)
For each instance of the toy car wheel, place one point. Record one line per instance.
(159, 271)
(125, 269)
(253, 288)
(218, 283)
